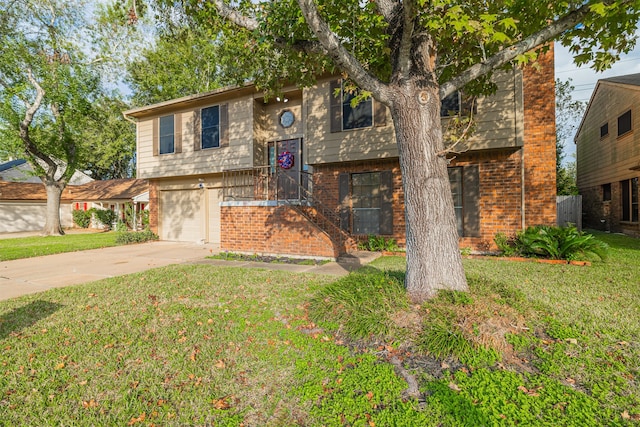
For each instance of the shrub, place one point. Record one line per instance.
(106, 217)
(378, 243)
(127, 237)
(82, 218)
(552, 242)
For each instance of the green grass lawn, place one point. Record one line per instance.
(27, 247)
(530, 344)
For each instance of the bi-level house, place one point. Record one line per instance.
(608, 155)
(308, 174)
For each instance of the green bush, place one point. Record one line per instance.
(552, 242)
(106, 217)
(82, 218)
(127, 237)
(378, 243)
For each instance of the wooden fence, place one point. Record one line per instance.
(569, 210)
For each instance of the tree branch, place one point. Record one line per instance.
(231, 14)
(404, 51)
(387, 8)
(511, 52)
(28, 119)
(339, 54)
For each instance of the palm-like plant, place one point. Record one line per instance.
(558, 243)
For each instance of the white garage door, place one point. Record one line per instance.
(181, 216)
(215, 197)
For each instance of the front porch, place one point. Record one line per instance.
(269, 210)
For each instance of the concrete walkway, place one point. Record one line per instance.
(31, 275)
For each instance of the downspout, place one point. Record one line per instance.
(523, 188)
(519, 107)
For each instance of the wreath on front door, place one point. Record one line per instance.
(285, 160)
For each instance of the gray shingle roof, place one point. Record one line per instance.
(629, 79)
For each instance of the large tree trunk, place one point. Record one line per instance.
(433, 256)
(52, 226)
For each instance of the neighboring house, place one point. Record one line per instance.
(23, 207)
(23, 204)
(113, 194)
(21, 171)
(308, 174)
(608, 155)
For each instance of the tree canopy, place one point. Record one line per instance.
(50, 87)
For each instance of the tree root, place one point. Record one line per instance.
(413, 391)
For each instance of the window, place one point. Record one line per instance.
(359, 116)
(365, 192)
(210, 119)
(166, 135)
(343, 117)
(455, 180)
(604, 130)
(629, 190)
(624, 123)
(606, 192)
(450, 105)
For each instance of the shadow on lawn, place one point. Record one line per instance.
(25, 316)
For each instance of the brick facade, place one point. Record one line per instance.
(540, 141)
(154, 203)
(274, 230)
(500, 192)
(606, 215)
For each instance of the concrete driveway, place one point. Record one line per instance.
(30, 275)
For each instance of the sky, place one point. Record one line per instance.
(584, 79)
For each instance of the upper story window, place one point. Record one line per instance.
(624, 123)
(210, 119)
(366, 114)
(166, 135)
(358, 116)
(450, 105)
(211, 127)
(458, 103)
(604, 130)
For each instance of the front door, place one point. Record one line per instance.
(288, 161)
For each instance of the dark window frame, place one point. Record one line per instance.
(450, 106)
(366, 202)
(629, 200)
(359, 117)
(625, 125)
(604, 130)
(456, 182)
(606, 192)
(205, 128)
(166, 139)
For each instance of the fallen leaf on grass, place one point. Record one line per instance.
(139, 419)
(221, 403)
(220, 364)
(89, 404)
(453, 386)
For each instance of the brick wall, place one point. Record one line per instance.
(500, 195)
(500, 192)
(153, 206)
(277, 230)
(540, 141)
(325, 188)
